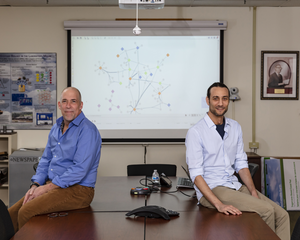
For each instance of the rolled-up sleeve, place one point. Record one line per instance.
(194, 154)
(241, 160)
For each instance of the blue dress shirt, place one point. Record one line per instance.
(214, 158)
(73, 157)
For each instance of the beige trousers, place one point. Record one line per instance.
(275, 216)
(59, 199)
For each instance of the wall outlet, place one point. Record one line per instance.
(253, 145)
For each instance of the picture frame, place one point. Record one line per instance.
(279, 75)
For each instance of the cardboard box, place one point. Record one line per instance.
(282, 182)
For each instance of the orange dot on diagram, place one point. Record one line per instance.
(168, 54)
(159, 93)
(118, 55)
(100, 68)
(130, 78)
(134, 109)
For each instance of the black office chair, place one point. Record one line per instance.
(253, 167)
(296, 231)
(35, 166)
(6, 226)
(147, 169)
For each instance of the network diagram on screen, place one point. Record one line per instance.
(145, 82)
(141, 85)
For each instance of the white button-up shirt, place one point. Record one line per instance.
(214, 158)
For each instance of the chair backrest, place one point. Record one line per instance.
(253, 167)
(147, 169)
(35, 166)
(296, 231)
(6, 226)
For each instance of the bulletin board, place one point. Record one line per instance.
(28, 90)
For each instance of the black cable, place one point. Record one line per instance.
(169, 192)
(177, 190)
(146, 179)
(193, 196)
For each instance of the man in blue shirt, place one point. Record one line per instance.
(214, 151)
(66, 175)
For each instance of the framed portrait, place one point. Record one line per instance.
(279, 75)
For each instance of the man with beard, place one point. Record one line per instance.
(214, 151)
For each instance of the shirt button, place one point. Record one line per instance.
(55, 156)
(51, 169)
(59, 143)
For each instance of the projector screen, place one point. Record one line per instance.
(150, 87)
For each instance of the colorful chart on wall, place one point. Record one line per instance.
(27, 90)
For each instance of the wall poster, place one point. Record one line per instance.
(27, 90)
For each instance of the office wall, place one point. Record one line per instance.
(35, 29)
(278, 129)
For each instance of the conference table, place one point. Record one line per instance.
(105, 218)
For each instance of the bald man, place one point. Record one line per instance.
(66, 175)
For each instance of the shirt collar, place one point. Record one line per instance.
(76, 121)
(62, 126)
(211, 124)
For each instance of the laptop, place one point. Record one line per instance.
(185, 182)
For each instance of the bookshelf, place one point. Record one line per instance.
(8, 143)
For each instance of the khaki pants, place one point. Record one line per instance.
(60, 199)
(274, 215)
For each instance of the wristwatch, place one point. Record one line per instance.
(35, 184)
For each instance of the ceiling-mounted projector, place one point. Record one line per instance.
(143, 4)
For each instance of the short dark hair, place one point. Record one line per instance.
(217, 84)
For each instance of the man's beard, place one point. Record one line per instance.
(214, 112)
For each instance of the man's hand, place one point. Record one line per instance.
(228, 209)
(254, 194)
(35, 191)
(29, 195)
(211, 197)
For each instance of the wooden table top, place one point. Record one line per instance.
(209, 224)
(105, 218)
(174, 201)
(83, 226)
(113, 194)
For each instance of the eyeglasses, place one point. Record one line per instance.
(53, 215)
